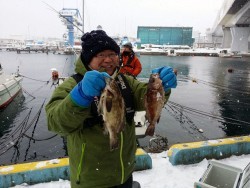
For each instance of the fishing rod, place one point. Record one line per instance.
(46, 81)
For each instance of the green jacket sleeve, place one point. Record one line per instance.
(63, 116)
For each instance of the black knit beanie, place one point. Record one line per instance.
(95, 42)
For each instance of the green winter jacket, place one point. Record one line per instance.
(92, 164)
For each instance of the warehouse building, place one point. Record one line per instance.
(165, 35)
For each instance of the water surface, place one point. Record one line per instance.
(208, 99)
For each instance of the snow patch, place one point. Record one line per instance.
(7, 169)
(41, 164)
(54, 161)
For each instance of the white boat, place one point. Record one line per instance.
(76, 49)
(236, 55)
(10, 86)
(225, 53)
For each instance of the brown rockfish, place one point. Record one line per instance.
(154, 102)
(112, 109)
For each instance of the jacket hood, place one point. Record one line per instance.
(79, 67)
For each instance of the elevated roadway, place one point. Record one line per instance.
(232, 25)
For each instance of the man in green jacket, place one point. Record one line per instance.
(72, 112)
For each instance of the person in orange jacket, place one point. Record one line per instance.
(130, 64)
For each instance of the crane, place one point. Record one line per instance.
(72, 19)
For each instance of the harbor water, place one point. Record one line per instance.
(211, 101)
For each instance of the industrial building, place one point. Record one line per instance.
(165, 35)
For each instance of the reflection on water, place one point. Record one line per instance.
(208, 103)
(9, 114)
(25, 136)
(234, 98)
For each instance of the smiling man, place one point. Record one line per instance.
(72, 112)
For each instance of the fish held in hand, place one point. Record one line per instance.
(112, 109)
(154, 102)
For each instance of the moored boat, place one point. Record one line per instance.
(10, 86)
(225, 53)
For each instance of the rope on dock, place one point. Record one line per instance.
(7, 90)
(188, 109)
(25, 91)
(35, 139)
(35, 79)
(40, 87)
(182, 118)
(179, 112)
(183, 77)
(12, 139)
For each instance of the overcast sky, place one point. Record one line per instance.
(33, 18)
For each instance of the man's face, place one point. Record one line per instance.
(106, 60)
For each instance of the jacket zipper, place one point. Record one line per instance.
(79, 170)
(121, 160)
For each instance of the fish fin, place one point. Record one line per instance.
(105, 130)
(99, 107)
(150, 130)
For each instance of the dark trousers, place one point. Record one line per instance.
(126, 184)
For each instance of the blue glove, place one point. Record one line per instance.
(167, 76)
(91, 85)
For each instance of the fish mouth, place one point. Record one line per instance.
(155, 75)
(155, 81)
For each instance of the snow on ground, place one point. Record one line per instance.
(163, 174)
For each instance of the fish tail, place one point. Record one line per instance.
(150, 130)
